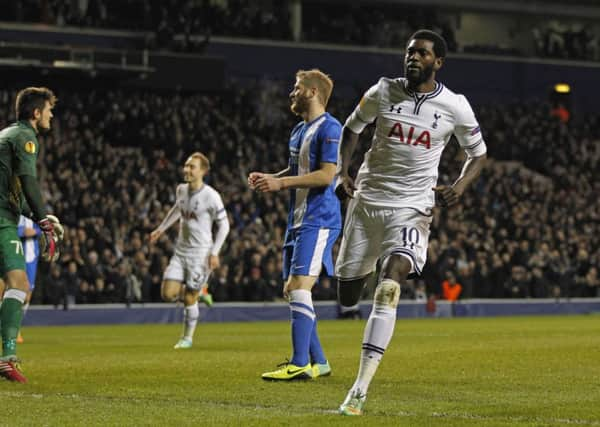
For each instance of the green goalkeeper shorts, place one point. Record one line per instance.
(11, 248)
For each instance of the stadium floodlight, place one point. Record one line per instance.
(562, 88)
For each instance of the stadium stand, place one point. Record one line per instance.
(528, 229)
(187, 25)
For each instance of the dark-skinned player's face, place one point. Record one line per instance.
(420, 61)
(299, 98)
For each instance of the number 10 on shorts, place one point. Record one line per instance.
(410, 237)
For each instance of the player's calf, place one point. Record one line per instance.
(349, 293)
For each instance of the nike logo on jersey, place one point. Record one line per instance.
(397, 131)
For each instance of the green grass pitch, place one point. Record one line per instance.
(519, 371)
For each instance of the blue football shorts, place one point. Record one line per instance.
(307, 250)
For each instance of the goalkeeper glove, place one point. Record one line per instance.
(49, 240)
(59, 230)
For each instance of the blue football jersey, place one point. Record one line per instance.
(310, 145)
(31, 248)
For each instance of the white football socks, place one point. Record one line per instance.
(190, 320)
(352, 308)
(377, 336)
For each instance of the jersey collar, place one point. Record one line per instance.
(193, 193)
(431, 94)
(27, 124)
(316, 118)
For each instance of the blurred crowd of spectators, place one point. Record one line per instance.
(557, 40)
(381, 25)
(530, 226)
(167, 17)
(113, 160)
(188, 24)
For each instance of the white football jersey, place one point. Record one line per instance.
(199, 209)
(412, 130)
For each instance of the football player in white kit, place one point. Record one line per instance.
(197, 207)
(396, 188)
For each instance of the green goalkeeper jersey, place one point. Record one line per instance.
(19, 149)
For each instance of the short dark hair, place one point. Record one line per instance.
(439, 44)
(31, 98)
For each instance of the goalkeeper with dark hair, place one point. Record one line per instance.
(20, 193)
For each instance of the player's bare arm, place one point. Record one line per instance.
(213, 262)
(29, 232)
(253, 177)
(321, 177)
(448, 196)
(345, 187)
(172, 216)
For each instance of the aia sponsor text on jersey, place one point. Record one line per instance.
(187, 215)
(410, 135)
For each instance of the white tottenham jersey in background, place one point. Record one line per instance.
(199, 209)
(412, 130)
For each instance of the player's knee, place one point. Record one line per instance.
(396, 267)
(300, 282)
(168, 294)
(387, 293)
(349, 291)
(190, 297)
(291, 284)
(17, 279)
(168, 297)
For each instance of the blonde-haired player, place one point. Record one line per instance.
(197, 207)
(314, 220)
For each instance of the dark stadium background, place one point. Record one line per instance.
(143, 83)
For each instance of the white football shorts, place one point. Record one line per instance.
(373, 233)
(190, 269)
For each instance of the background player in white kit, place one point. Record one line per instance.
(390, 212)
(197, 207)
